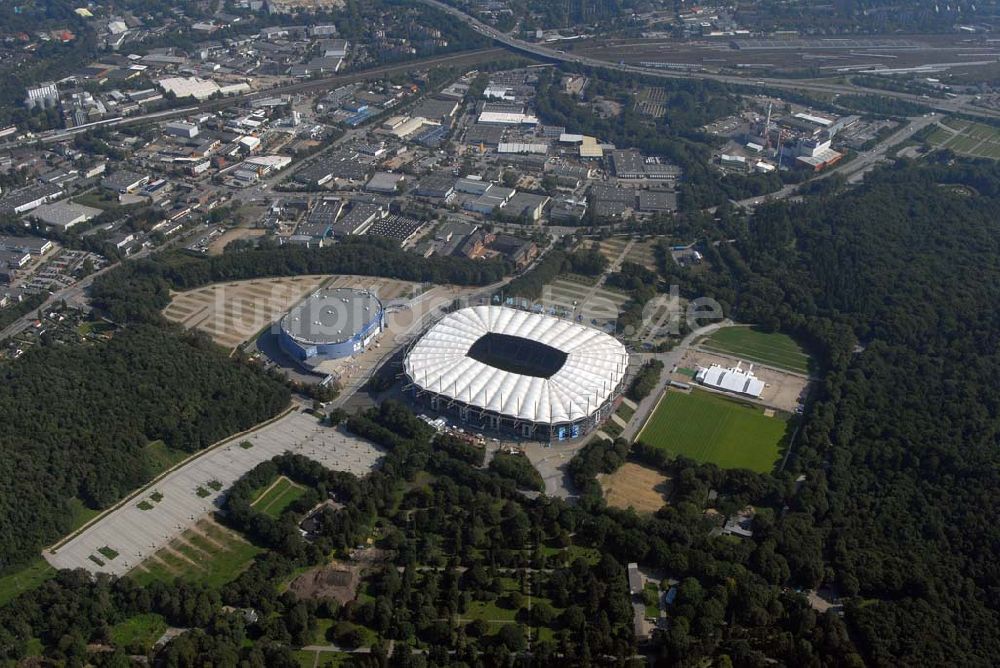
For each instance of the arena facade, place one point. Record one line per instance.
(526, 374)
(331, 324)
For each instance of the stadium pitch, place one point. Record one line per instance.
(710, 428)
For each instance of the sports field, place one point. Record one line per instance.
(707, 427)
(273, 500)
(751, 344)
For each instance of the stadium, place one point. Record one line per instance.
(331, 324)
(526, 374)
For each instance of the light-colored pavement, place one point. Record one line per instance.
(187, 494)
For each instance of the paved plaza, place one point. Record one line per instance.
(121, 539)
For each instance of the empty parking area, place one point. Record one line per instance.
(231, 313)
(612, 248)
(588, 302)
(644, 253)
(150, 520)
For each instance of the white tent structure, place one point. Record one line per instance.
(555, 378)
(731, 380)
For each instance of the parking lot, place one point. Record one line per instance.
(148, 521)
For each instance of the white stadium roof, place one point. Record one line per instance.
(594, 366)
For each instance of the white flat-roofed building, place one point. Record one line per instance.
(45, 96)
(506, 118)
(590, 149)
(199, 89)
(181, 129)
(269, 163)
(812, 118)
(410, 126)
(64, 215)
(520, 147)
(733, 379)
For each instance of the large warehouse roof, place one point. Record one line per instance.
(575, 368)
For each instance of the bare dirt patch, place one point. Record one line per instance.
(338, 580)
(219, 244)
(636, 486)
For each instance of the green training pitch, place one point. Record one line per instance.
(753, 345)
(279, 496)
(709, 428)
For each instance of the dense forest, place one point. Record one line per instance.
(895, 283)
(77, 421)
(458, 537)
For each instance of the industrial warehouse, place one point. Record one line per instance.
(528, 374)
(331, 324)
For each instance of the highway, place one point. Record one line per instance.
(960, 104)
(463, 58)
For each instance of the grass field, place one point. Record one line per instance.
(278, 496)
(770, 348)
(208, 553)
(141, 630)
(709, 428)
(966, 138)
(37, 571)
(28, 577)
(310, 658)
(163, 457)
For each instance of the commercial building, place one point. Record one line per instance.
(394, 227)
(199, 89)
(30, 245)
(506, 118)
(44, 96)
(124, 181)
(64, 215)
(331, 324)
(521, 147)
(384, 182)
(518, 251)
(494, 198)
(654, 201)
(439, 186)
(527, 374)
(628, 164)
(181, 129)
(527, 205)
(358, 219)
(26, 199)
(733, 380)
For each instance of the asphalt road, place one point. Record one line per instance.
(670, 359)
